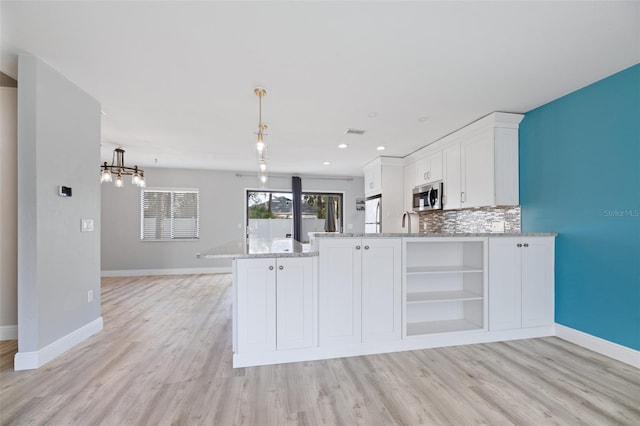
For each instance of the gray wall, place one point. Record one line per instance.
(222, 216)
(8, 211)
(58, 144)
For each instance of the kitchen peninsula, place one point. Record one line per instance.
(360, 294)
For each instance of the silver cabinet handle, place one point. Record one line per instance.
(271, 268)
(428, 175)
(518, 245)
(370, 185)
(366, 247)
(281, 267)
(357, 247)
(526, 244)
(462, 198)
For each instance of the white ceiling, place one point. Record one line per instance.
(176, 79)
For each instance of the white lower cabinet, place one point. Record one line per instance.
(521, 282)
(275, 304)
(359, 290)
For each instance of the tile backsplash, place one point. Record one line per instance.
(470, 220)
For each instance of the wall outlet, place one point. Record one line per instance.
(89, 296)
(497, 226)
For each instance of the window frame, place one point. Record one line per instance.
(340, 194)
(171, 191)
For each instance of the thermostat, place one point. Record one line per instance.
(64, 191)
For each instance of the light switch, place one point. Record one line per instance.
(87, 225)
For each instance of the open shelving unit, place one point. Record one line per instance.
(445, 284)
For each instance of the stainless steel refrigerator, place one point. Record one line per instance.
(373, 215)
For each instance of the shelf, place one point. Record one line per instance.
(442, 296)
(447, 326)
(419, 270)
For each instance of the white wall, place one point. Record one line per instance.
(222, 217)
(8, 214)
(58, 144)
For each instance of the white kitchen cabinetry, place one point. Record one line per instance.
(452, 177)
(275, 304)
(521, 282)
(360, 290)
(385, 176)
(478, 163)
(429, 168)
(444, 285)
(409, 184)
(489, 166)
(372, 179)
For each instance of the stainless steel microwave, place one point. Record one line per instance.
(428, 197)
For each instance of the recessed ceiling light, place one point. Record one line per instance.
(326, 163)
(342, 146)
(381, 148)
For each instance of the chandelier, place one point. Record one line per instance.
(118, 169)
(260, 145)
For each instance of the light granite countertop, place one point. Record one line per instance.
(431, 235)
(288, 247)
(259, 247)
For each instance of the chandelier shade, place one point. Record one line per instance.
(260, 145)
(118, 169)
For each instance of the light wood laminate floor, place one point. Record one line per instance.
(164, 357)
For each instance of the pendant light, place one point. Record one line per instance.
(260, 145)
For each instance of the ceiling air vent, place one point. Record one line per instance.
(354, 132)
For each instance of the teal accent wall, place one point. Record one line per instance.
(580, 177)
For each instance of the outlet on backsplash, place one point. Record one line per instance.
(497, 226)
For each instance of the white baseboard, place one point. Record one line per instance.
(601, 346)
(407, 344)
(36, 359)
(8, 332)
(175, 271)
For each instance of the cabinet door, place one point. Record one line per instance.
(435, 166)
(372, 179)
(256, 296)
(504, 283)
(451, 176)
(381, 289)
(537, 282)
(340, 297)
(409, 184)
(294, 295)
(429, 168)
(478, 171)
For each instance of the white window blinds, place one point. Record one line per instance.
(168, 215)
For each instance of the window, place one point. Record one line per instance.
(270, 213)
(168, 215)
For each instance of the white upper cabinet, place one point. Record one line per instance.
(373, 179)
(409, 184)
(489, 165)
(429, 168)
(385, 176)
(478, 163)
(452, 176)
